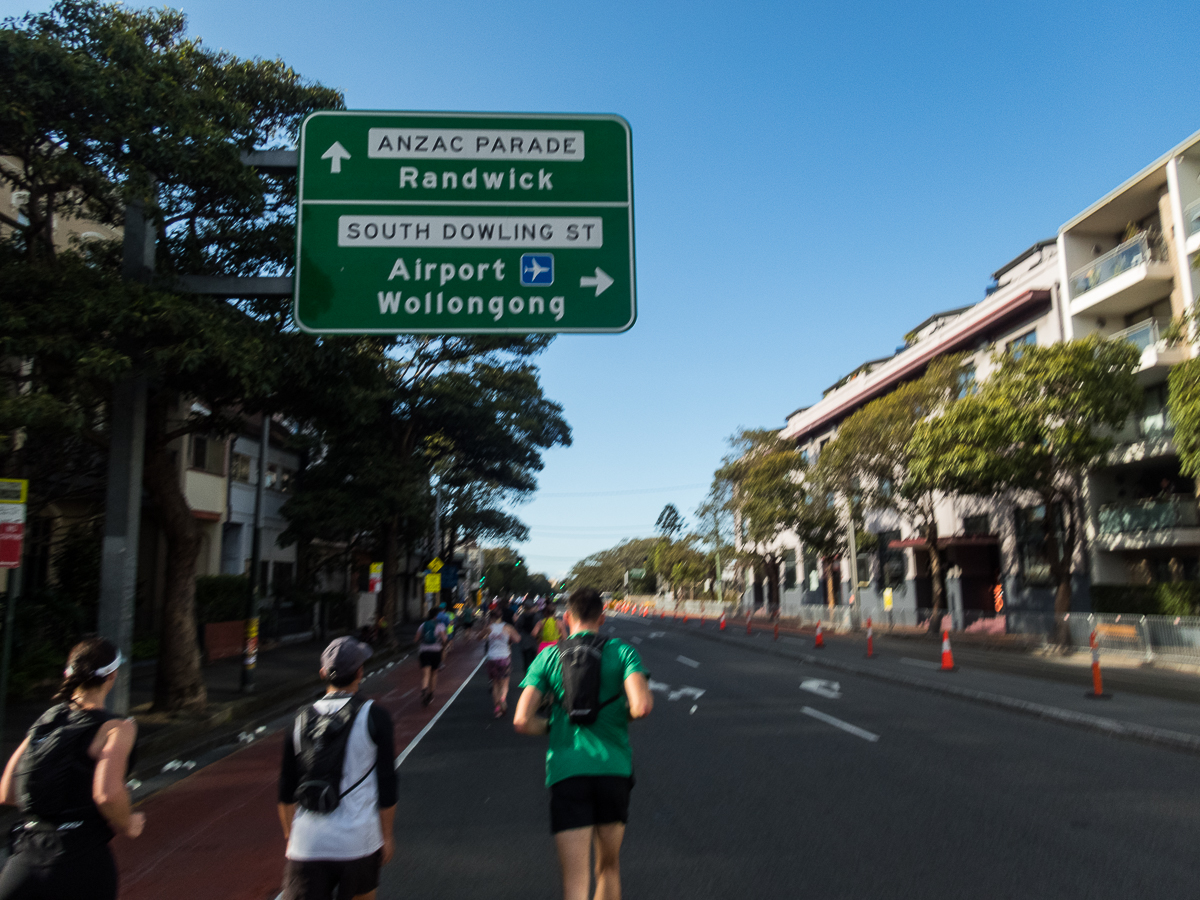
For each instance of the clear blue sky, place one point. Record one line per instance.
(811, 180)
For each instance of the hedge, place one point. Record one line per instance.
(1176, 598)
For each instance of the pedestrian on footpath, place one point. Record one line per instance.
(68, 779)
(597, 686)
(337, 786)
(500, 637)
(432, 639)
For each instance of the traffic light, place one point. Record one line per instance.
(517, 564)
(482, 579)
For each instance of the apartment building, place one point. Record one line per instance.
(1127, 266)
(1122, 268)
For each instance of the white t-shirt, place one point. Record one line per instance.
(497, 642)
(352, 830)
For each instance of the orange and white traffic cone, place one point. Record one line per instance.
(870, 639)
(685, 617)
(819, 637)
(776, 631)
(747, 623)
(722, 620)
(1097, 680)
(947, 656)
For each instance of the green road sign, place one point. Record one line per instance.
(464, 223)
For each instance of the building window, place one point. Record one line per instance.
(789, 570)
(1032, 559)
(976, 526)
(241, 468)
(285, 480)
(966, 381)
(892, 563)
(1016, 347)
(207, 454)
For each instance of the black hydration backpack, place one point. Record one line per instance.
(580, 658)
(54, 778)
(320, 746)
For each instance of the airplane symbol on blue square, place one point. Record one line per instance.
(537, 269)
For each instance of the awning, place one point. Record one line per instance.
(962, 540)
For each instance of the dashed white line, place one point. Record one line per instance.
(838, 723)
(687, 662)
(637, 640)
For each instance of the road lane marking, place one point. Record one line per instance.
(687, 662)
(693, 712)
(657, 634)
(412, 745)
(685, 691)
(831, 690)
(838, 723)
(637, 640)
(923, 663)
(659, 686)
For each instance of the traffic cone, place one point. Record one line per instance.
(776, 631)
(722, 620)
(1097, 692)
(947, 656)
(819, 637)
(685, 618)
(870, 639)
(747, 623)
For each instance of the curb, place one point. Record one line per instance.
(1146, 734)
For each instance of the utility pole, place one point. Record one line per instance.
(123, 494)
(253, 581)
(852, 543)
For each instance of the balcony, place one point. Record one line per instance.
(1156, 352)
(1149, 515)
(1128, 277)
(1191, 226)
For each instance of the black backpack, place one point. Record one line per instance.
(580, 658)
(54, 778)
(320, 746)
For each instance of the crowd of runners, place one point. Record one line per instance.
(337, 783)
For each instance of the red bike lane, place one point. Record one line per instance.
(216, 834)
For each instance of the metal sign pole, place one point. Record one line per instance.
(253, 620)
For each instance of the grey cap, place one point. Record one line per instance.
(344, 656)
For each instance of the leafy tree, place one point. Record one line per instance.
(763, 481)
(105, 107)
(716, 523)
(1036, 425)
(669, 522)
(507, 574)
(605, 570)
(1184, 403)
(869, 461)
(681, 565)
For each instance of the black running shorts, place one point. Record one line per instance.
(587, 800)
(321, 879)
(430, 659)
(43, 867)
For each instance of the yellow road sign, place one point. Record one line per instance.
(436, 565)
(13, 490)
(433, 584)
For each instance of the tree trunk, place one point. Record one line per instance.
(937, 585)
(772, 567)
(1061, 565)
(179, 679)
(831, 599)
(387, 597)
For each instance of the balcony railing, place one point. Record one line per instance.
(1191, 218)
(1149, 515)
(1142, 335)
(1122, 258)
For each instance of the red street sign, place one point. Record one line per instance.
(11, 536)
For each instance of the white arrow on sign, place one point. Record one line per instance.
(685, 691)
(828, 689)
(336, 153)
(659, 686)
(602, 282)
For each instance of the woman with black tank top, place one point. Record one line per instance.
(68, 778)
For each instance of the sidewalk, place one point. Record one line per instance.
(215, 833)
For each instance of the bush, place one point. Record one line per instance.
(1177, 598)
(220, 598)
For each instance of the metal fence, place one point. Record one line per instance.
(1161, 638)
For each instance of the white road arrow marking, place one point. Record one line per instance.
(602, 282)
(336, 153)
(829, 689)
(659, 686)
(637, 640)
(838, 723)
(685, 691)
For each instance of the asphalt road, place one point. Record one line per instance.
(750, 790)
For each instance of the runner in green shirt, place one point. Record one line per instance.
(589, 768)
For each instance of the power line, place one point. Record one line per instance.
(658, 490)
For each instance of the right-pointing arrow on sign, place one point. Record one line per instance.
(602, 282)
